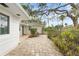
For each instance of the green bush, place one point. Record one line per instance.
(33, 32)
(67, 41)
(52, 32)
(61, 44)
(68, 35)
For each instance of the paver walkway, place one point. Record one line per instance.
(37, 46)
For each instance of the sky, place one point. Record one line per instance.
(55, 21)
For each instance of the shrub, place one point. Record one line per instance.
(67, 35)
(52, 32)
(33, 32)
(61, 44)
(67, 42)
(70, 37)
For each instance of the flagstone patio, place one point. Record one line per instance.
(36, 46)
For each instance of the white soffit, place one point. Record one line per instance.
(17, 9)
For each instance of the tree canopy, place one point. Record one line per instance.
(57, 8)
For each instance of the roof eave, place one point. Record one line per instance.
(21, 8)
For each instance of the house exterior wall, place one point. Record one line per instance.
(39, 30)
(20, 29)
(11, 40)
(26, 30)
(32, 24)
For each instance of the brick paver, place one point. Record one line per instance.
(37, 46)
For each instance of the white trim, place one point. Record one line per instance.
(23, 10)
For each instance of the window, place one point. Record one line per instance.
(4, 24)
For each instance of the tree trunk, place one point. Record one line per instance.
(62, 24)
(75, 22)
(48, 22)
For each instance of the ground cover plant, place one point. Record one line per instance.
(67, 41)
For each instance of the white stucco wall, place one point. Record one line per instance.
(39, 30)
(11, 40)
(20, 30)
(26, 30)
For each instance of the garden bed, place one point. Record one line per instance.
(67, 42)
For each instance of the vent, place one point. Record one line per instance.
(18, 14)
(3, 4)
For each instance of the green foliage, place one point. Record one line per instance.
(62, 17)
(42, 5)
(33, 32)
(52, 31)
(71, 39)
(67, 41)
(68, 35)
(58, 27)
(25, 7)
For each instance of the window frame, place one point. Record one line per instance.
(8, 23)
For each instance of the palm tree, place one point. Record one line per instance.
(62, 17)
